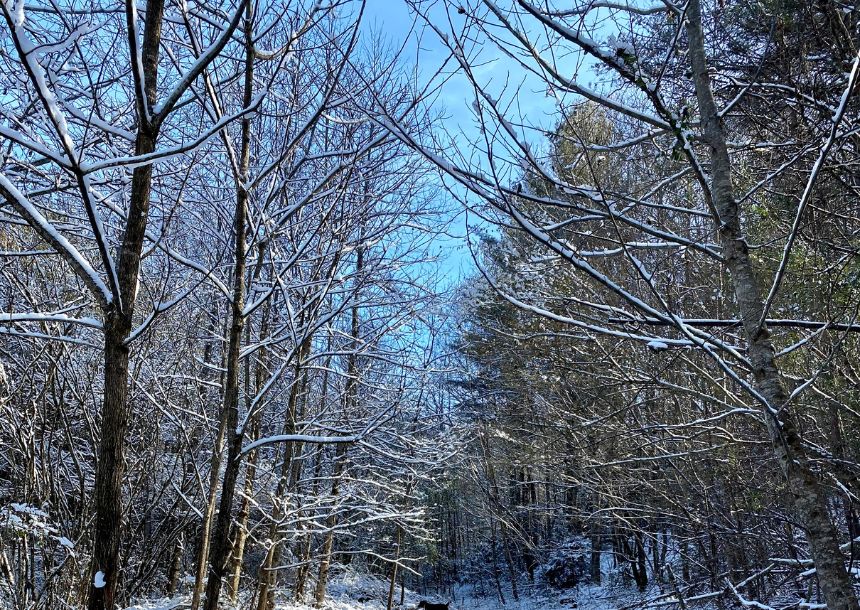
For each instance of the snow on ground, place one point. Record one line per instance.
(351, 590)
(584, 597)
(588, 598)
(162, 604)
(534, 600)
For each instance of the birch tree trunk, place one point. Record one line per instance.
(809, 499)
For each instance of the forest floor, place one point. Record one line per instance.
(355, 591)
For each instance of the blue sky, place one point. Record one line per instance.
(393, 19)
(502, 77)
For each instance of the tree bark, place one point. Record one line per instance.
(107, 526)
(596, 541)
(495, 555)
(393, 581)
(350, 397)
(306, 543)
(175, 566)
(238, 551)
(222, 540)
(509, 559)
(809, 499)
(241, 538)
(209, 513)
(496, 501)
(331, 523)
(639, 563)
(265, 597)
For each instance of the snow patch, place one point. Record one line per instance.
(657, 346)
(27, 509)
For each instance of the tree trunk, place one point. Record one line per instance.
(656, 568)
(202, 555)
(495, 555)
(175, 566)
(640, 563)
(107, 525)
(495, 499)
(265, 597)
(238, 551)
(810, 502)
(331, 523)
(596, 541)
(222, 541)
(209, 513)
(393, 580)
(350, 398)
(305, 544)
(509, 559)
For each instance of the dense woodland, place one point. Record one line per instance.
(235, 364)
